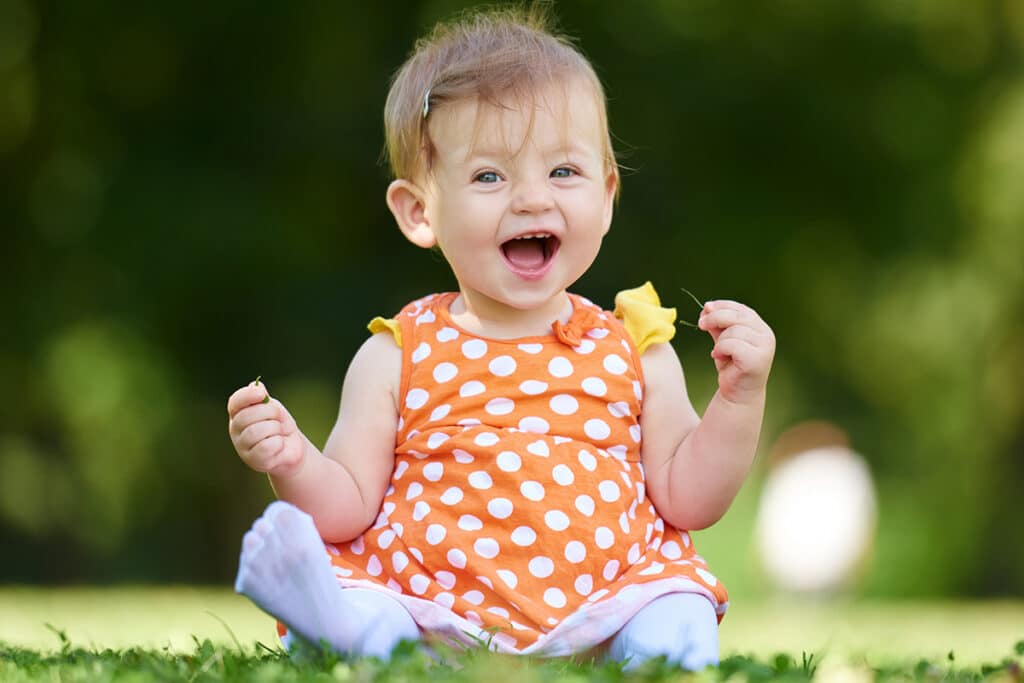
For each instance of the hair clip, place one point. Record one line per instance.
(426, 103)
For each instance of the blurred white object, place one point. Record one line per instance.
(816, 520)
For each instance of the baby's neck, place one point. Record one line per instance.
(490, 319)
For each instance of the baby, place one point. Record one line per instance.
(511, 464)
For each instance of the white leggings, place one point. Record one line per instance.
(682, 627)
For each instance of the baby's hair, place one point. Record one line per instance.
(490, 55)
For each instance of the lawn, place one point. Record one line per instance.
(158, 634)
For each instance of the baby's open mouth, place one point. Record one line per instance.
(530, 253)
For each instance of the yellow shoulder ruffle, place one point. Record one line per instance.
(391, 325)
(645, 320)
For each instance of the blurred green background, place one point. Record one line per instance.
(191, 195)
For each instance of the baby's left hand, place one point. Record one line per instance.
(744, 348)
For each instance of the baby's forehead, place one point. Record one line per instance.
(555, 118)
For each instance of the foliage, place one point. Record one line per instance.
(410, 663)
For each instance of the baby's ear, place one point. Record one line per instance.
(407, 202)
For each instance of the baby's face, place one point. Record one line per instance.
(520, 197)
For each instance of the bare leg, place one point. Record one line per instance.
(285, 571)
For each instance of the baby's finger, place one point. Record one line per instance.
(253, 413)
(264, 452)
(257, 432)
(250, 394)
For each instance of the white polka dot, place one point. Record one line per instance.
(502, 366)
(445, 580)
(638, 391)
(440, 412)
(598, 595)
(531, 348)
(500, 406)
(671, 550)
(596, 429)
(445, 372)
(468, 422)
(524, 536)
(446, 600)
(542, 567)
(457, 558)
(400, 561)
(585, 504)
(473, 597)
(486, 439)
(480, 480)
(452, 496)
(584, 584)
(436, 439)
(624, 524)
(416, 398)
(597, 333)
(560, 366)
(462, 457)
(654, 569)
(575, 552)
(556, 520)
(373, 566)
(532, 490)
(564, 404)
(603, 537)
(500, 508)
(386, 538)
(614, 364)
(708, 577)
(686, 538)
(634, 433)
(554, 597)
(509, 462)
(610, 570)
(471, 388)
(586, 346)
(474, 348)
(435, 534)
(563, 475)
(588, 460)
(427, 317)
(415, 490)
(594, 386)
(508, 577)
(358, 546)
(538, 448)
(534, 425)
(446, 334)
(487, 548)
(618, 409)
(470, 523)
(420, 510)
(609, 491)
(533, 387)
(400, 469)
(633, 554)
(421, 352)
(433, 471)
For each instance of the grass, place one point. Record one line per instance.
(186, 634)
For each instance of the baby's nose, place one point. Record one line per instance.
(532, 196)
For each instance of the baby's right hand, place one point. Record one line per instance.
(263, 432)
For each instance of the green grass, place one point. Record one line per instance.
(186, 634)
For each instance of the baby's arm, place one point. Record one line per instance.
(695, 466)
(341, 488)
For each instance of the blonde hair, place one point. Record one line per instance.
(489, 55)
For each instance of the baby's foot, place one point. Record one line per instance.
(285, 571)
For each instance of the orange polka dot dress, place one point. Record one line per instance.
(517, 513)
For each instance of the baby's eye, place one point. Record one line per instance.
(563, 172)
(487, 177)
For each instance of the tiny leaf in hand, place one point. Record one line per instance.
(255, 382)
(696, 301)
